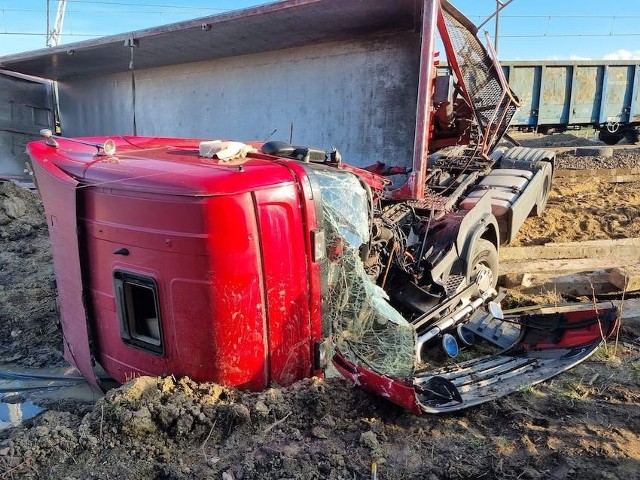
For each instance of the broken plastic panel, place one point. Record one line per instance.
(385, 353)
(366, 328)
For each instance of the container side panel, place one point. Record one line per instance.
(587, 94)
(357, 95)
(26, 107)
(97, 106)
(555, 95)
(619, 94)
(635, 107)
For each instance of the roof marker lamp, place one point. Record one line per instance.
(108, 148)
(48, 137)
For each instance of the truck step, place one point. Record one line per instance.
(498, 332)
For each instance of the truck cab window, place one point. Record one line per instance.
(138, 311)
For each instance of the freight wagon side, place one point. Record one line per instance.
(556, 96)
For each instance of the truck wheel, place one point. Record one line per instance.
(484, 254)
(543, 198)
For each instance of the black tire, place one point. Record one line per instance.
(484, 253)
(632, 136)
(541, 202)
(609, 138)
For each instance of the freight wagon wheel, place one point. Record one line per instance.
(484, 254)
(632, 136)
(609, 138)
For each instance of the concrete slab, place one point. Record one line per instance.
(626, 247)
(626, 278)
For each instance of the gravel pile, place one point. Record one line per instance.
(559, 140)
(568, 160)
(622, 158)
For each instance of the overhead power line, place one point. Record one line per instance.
(137, 4)
(171, 9)
(561, 16)
(575, 35)
(36, 34)
(142, 12)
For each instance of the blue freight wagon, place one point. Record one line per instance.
(561, 95)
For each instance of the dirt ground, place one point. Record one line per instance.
(589, 210)
(585, 424)
(28, 309)
(585, 211)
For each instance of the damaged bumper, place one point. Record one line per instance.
(546, 346)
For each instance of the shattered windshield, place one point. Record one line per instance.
(346, 202)
(366, 328)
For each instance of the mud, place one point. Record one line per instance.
(584, 424)
(29, 335)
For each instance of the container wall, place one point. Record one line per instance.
(358, 95)
(555, 94)
(635, 103)
(579, 93)
(586, 94)
(525, 81)
(26, 107)
(97, 106)
(618, 93)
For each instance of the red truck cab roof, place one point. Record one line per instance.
(170, 166)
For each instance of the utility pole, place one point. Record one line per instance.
(53, 35)
(499, 6)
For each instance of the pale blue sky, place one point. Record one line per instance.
(530, 29)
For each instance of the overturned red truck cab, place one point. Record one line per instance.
(258, 263)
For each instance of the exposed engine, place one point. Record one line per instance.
(393, 233)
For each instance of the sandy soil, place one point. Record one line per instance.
(584, 424)
(589, 210)
(585, 211)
